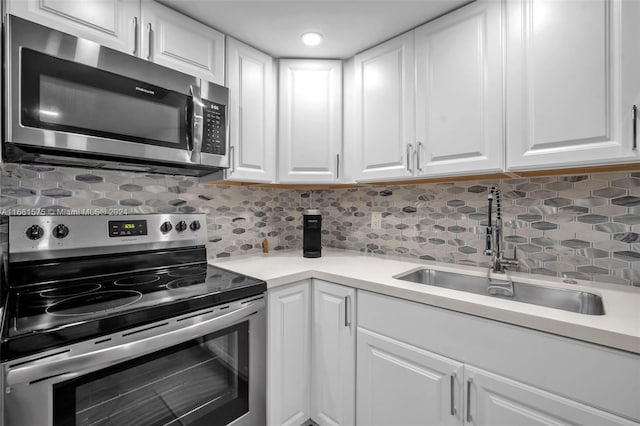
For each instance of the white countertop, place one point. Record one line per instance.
(618, 328)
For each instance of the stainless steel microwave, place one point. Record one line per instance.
(71, 101)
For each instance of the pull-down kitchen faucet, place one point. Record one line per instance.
(494, 236)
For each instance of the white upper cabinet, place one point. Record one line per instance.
(146, 29)
(112, 23)
(310, 121)
(567, 104)
(382, 119)
(450, 69)
(459, 116)
(179, 42)
(252, 106)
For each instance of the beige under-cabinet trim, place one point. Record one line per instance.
(533, 173)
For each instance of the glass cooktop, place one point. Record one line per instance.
(49, 315)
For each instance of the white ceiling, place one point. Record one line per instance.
(348, 26)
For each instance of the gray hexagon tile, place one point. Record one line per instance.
(627, 219)
(89, 178)
(593, 218)
(627, 255)
(609, 192)
(627, 201)
(544, 226)
(56, 193)
(557, 202)
(629, 182)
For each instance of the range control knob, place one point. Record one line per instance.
(181, 226)
(34, 232)
(60, 231)
(195, 225)
(165, 227)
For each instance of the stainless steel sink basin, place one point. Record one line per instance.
(568, 300)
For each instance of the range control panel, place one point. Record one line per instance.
(56, 236)
(125, 228)
(214, 139)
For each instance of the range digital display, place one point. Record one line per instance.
(127, 228)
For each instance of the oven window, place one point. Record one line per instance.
(200, 382)
(57, 94)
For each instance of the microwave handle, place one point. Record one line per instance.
(196, 124)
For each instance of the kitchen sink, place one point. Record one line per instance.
(568, 300)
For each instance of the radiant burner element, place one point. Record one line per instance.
(94, 302)
(76, 290)
(137, 280)
(179, 273)
(185, 283)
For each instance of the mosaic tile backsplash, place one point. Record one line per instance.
(585, 227)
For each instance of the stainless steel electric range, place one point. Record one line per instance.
(119, 320)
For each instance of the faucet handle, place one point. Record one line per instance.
(488, 245)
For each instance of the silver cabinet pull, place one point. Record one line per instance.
(419, 157)
(634, 123)
(409, 151)
(347, 311)
(337, 166)
(232, 160)
(469, 383)
(452, 382)
(150, 34)
(134, 21)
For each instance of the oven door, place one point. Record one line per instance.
(214, 378)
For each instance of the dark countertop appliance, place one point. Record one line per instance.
(312, 233)
(71, 101)
(120, 320)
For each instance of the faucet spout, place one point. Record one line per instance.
(493, 248)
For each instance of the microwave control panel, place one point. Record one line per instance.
(214, 135)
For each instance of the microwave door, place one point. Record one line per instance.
(92, 110)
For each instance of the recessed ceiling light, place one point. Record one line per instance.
(312, 39)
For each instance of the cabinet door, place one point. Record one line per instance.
(288, 354)
(564, 92)
(459, 116)
(310, 121)
(111, 23)
(179, 42)
(333, 355)
(252, 119)
(494, 400)
(400, 384)
(383, 114)
(630, 96)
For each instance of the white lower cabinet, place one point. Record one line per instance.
(333, 354)
(311, 354)
(289, 354)
(415, 364)
(497, 401)
(400, 384)
(421, 365)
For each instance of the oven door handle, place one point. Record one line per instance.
(74, 366)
